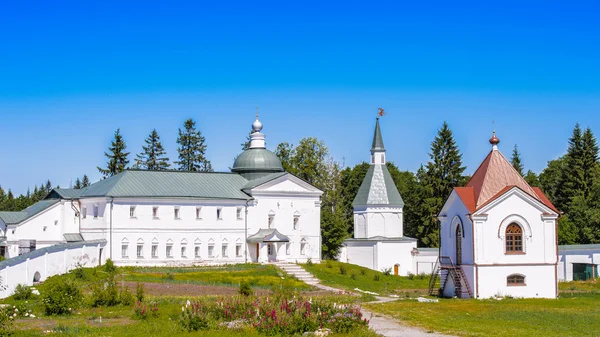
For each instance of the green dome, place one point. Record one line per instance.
(256, 162)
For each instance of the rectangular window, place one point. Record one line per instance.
(296, 222)
(219, 213)
(176, 213)
(155, 212)
(197, 251)
(211, 250)
(169, 250)
(140, 251)
(95, 211)
(198, 213)
(124, 249)
(269, 249)
(84, 212)
(287, 249)
(271, 223)
(239, 213)
(224, 250)
(183, 251)
(238, 250)
(155, 250)
(132, 212)
(303, 248)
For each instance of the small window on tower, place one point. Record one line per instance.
(176, 213)
(219, 213)
(132, 212)
(198, 213)
(155, 212)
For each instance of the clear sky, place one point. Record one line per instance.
(73, 72)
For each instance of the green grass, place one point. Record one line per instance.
(264, 276)
(330, 273)
(570, 315)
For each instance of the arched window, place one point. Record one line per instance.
(515, 280)
(514, 239)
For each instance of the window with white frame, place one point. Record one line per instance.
(155, 212)
(183, 251)
(296, 222)
(219, 213)
(124, 250)
(132, 212)
(84, 212)
(238, 250)
(197, 251)
(288, 251)
(176, 213)
(303, 247)
(95, 211)
(239, 213)
(199, 213)
(271, 222)
(169, 250)
(211, 250)
(155, 250)
(224, 250)
(140, 250)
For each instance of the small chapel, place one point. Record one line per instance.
(498, 236)
(379, 242)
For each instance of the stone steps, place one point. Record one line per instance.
(298, 272)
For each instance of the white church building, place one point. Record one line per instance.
(379, 242)
(256, 213)
(498, 235)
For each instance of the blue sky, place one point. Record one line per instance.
(73, 72)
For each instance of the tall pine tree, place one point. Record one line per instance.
(589, 160)
(85, 181)
(572, 181)
(515, 160)
(117, 158)
(153, 156)
(443, 172)
(192, 150)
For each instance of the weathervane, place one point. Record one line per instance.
(381, 112)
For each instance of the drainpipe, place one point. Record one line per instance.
(246, 233)
(111, 229)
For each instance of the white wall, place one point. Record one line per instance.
(585, 254)
(378, 221)
(539, 281)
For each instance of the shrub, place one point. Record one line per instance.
(353, 276)
(328, 264)
(343, 270)
(309, 261)
(7, 320)
(139, 292)
(142, 312)
(169, 276)
(410, 276)
(387, 271)
(108, 294)
(60, 297)
(79, 272)
(194, 317)
(376, 277)
(22, 292)
(126, 297)
(109, 266)
(363, 271)
(245, 289)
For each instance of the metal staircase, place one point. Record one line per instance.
(444, 271)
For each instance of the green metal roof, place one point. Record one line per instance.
(257, 160)
(377, 139)
(138, 183)
(65, 193)
(378, 188)
(265, 179)
(18, 217)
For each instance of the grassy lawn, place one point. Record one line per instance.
(575, 313)
(349, 276)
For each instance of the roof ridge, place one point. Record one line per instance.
(177, 171)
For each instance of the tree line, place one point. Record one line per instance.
(571, 182)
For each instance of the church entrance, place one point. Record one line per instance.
(396, 269)
(459, 236)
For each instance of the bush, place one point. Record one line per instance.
(22, 292)
(126, 297)
(363, 271)
(142, 312)
(328, 264)
(79, 272)
(108, 294)
(61, 297)
(139, 292)
(7, 320)
(109, 266)
(410, 276)
(343, 270)
(387, 271)
(353, 276)
(376, 277)
(245, 289)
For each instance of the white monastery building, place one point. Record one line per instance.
(256, 213)
(378, 241)
(498, 235)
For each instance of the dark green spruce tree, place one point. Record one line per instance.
(153, 157)
(78, 184)
(117, 158)
(443, 172)
(85, 181)
(515, 160)
(192, 149)
(572, 181)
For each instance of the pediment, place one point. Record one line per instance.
(287, 183)
(515, 192)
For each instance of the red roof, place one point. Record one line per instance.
(494, 177)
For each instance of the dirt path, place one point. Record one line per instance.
(385, 325)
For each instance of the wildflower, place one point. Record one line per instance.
(182, 309)
(32, 316)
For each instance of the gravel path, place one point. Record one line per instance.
(385, 325)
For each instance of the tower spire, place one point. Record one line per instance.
(377, 149)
